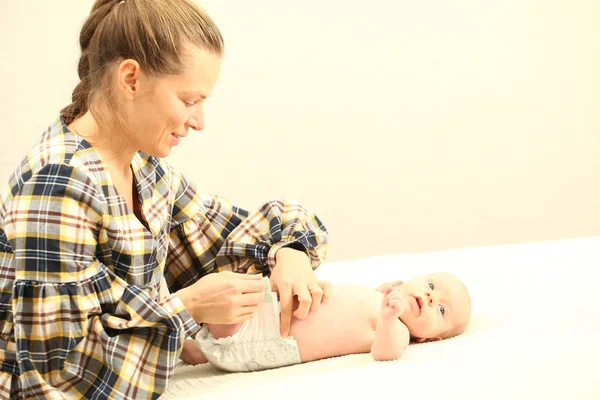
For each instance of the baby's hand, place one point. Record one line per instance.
(393, 303)
(384, 287)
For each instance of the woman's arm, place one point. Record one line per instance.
(210, 235)
(80, 329)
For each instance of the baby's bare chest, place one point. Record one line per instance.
(344, 324)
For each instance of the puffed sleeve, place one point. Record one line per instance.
(79, 328)
(209, 235)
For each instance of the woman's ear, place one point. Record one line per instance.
(128, 77)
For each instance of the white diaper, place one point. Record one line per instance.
(256, 346)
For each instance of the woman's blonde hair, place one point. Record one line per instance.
(151, 32)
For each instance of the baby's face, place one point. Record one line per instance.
(438, 306)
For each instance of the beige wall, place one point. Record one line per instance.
(407, 125)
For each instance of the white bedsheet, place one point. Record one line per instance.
(534, 334)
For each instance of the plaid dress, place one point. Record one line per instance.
(80, 311)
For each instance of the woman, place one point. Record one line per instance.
(93, 220)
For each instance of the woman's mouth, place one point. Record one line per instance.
(176, 139)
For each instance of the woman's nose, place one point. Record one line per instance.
(196, 121)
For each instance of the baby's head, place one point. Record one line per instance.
(438, 306)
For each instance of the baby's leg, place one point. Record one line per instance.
(191, 353)
(223, 330)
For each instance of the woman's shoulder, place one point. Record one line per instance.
(58, 145)
(60, 148)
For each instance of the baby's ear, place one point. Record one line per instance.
(427, 340)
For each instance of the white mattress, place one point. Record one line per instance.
(534, 334)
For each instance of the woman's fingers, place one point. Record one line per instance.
(251, 299)
(251, 277)
(304, 301)
(248, 309)
(243, 317)
(326, 287)
(251, 286)
(286, 302)
(317, 296)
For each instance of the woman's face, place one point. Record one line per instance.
(161, 116)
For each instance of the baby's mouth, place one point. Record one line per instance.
(419, 303)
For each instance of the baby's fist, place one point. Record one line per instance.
(393, 303)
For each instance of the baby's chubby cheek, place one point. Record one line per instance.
(407, 315)
(411, 308)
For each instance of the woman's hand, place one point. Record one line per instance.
(293, 276)
(223, 298)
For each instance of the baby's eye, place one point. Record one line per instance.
(431, 285)
(188, 104)
(442, 309)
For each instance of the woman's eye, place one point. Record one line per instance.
(188, 104)
(442, 309)
(431, 285)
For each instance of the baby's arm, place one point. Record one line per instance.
(391, 335)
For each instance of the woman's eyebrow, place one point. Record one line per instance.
(193, 93)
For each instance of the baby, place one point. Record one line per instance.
(354, 319)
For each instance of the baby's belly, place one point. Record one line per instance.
(344, 324)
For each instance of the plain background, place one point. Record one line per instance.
(407, 126)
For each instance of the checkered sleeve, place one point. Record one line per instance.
(80, 330)
(211, 235)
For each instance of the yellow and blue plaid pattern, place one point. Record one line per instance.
(80, 311)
